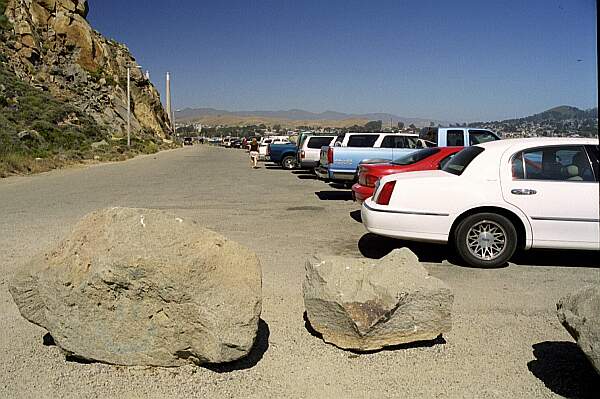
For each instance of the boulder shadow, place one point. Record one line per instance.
(261, 345)
(48, 340)
(376, 247)
(334, 195)
(565, 370)
(79, 360)
(412, 345)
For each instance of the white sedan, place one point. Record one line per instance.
(493, 198)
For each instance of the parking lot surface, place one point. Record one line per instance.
(506, 340)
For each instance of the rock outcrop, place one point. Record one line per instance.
(51, 45)
(579, 313)
(363, 304)
(143, 287)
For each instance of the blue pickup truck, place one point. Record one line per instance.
(340, 164)
(283, 154)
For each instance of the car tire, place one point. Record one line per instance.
(485, 240)
(288, 163)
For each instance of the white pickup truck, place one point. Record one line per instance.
(266, 141)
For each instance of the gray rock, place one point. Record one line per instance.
(579, 313)
(99, 144)
(364, 304)
(143, 287)
(30, 135)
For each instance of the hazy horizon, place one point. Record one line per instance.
(465, 61)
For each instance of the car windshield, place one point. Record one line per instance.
(458, 164)
(416, 156)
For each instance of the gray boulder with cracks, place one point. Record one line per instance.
(144, 287)
(364, 304)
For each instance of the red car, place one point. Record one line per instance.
(425, 159)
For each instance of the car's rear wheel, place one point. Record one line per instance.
(485, 240)
(288, 162)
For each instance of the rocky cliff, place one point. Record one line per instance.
(50, 44)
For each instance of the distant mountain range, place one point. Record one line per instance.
(302, 117)
(190, 114)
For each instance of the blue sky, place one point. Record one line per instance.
(460, 60)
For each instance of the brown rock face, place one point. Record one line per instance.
(144, 287)
(52, 38)
(364, 304)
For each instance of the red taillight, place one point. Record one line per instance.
(386, 193)
(330, 155)
(269, 149)
(370, 180)
(302, 154)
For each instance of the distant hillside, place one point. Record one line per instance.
(555, 122)
(563, 113)
(295, 116)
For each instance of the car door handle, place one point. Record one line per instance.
(523, 191)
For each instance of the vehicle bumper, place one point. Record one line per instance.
(405, 225)
(361, 193)
(322, 173)
(308, 164)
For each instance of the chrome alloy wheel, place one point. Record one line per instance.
(486, 240)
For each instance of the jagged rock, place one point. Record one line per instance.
(53, 35)
(579, 313)
(144, 287)
(365, 304)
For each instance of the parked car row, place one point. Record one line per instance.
(464, 187)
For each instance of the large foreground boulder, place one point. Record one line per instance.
(579, 313)
(143, 287)
(363, 304)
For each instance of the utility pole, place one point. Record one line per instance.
(169, 106)
(128, 106)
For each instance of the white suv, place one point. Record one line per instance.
(309, 152)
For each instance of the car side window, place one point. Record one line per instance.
(388, 142)
(481, 136)
(455, 138)
(399, 142)
(364, 140)
(318, 142)
(560, 163)
(593, 153)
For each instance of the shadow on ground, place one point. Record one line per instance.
(356, 216)
(419, 344)
(306, 177)
(565, 258)
(334, 195)
(376, 247)
(564, 369)
(256, 354)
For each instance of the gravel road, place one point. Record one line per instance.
(506, 340)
